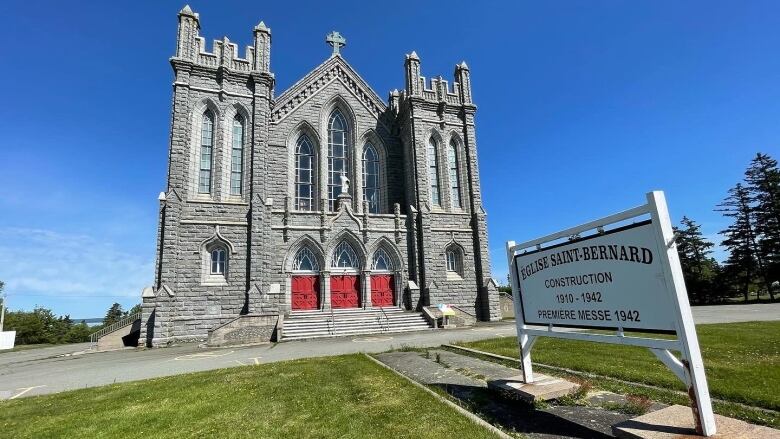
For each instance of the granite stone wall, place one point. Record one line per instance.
(260, 229)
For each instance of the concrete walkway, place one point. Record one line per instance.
(23, 374)
(66, 367)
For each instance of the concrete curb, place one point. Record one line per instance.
(474, 418)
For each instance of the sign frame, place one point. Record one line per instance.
(690, 368)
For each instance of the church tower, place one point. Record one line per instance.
(436, 122)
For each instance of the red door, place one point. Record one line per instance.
(382, 287)
(305, 292)
(344, 291)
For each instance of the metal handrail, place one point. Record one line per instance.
(332, 322)
(95, 336)
(387, 321)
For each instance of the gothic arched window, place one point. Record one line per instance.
(344, 256)
(338, 155)
(206, 152)
(454, 260)
(452, 164)
(305, 260)
(371, 176)
(304, 174)
(219, 261)
(237, 157)
(382, 261)
(433, 171)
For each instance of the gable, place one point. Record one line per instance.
(333, 69)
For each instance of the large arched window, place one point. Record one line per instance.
(344, 256)
(452, 164)
(371, 179)
(218, 261)
(338, 155)
(433, 171)
(237, 157)
(305, 260)
(206, 152)
(382, 261)
(304, 174)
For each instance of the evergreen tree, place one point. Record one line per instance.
(763, 185)
(699, 269)
(134, 310)
(113, 315)
(740, 239)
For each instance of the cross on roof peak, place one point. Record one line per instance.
(336, 41)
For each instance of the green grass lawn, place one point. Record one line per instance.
(345, 397)
(742, 360)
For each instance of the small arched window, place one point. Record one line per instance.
(344, 256)
(237, 157)
(454, 261)
(206, 152)
(371, 176)
(304, 174)
(433, 171)
(382, 261)
(452, 164)
(305, 260)
(218, 261)
(338, 155)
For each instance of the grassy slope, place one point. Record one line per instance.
(346, 397)
(742, 360)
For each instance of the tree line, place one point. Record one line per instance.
(41, 325)
(752, 240)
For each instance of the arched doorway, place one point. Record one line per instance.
(344, 278)
(382, 279)
(305, 282)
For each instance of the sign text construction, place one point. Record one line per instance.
(607, 280)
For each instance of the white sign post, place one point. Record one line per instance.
(622, 273)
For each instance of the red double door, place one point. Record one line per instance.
(382, 287)
(305, 292)
(344, 291)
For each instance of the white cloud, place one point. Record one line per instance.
(36, 262)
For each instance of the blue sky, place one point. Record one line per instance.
(584, 106)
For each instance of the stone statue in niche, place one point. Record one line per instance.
(344, 184)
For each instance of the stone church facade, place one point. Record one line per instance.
(323, 196)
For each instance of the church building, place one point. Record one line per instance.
(317, 199)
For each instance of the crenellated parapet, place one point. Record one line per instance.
(224, 53)
(437, 89)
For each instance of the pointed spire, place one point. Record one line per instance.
(261, 27)
(463, 65)
(186, 10)
(413, 55)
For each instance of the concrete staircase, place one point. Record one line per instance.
(344, 322)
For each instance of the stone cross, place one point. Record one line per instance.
(336, 41)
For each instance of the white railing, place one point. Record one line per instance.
(128, 320)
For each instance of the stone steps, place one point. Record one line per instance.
(346, 322)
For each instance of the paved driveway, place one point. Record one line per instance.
(27, 375)
(58, 368)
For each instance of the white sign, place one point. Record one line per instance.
(7, 339)
(606, 280)
(615, 276)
